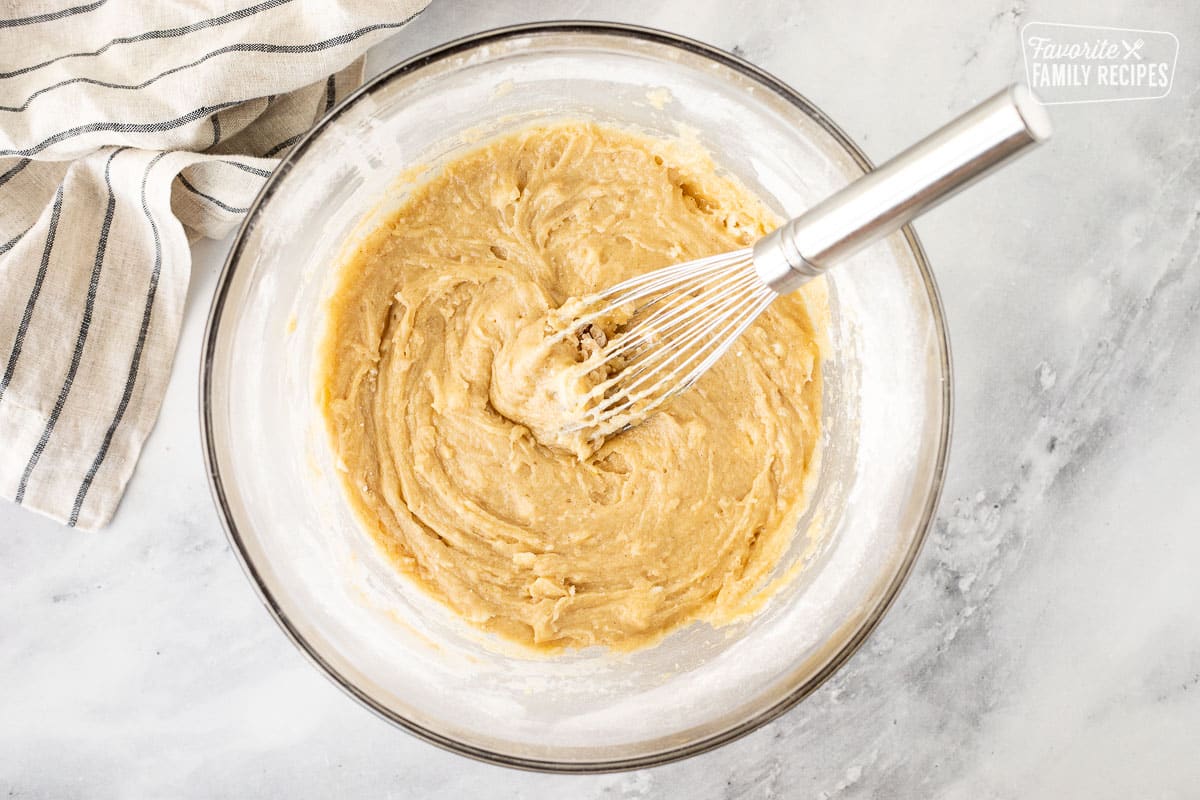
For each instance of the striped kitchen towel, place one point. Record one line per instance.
(127, 127)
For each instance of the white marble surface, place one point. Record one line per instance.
(1047, 644)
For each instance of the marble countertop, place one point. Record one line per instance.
(1047, 643)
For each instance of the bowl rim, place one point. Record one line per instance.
(213, 472)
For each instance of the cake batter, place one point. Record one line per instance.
(550, 543)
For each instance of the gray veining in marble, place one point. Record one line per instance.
(1048, 643)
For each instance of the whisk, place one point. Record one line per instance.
(681, 319)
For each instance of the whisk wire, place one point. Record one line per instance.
(697, 325)
(678, 321)
(676, 311)
(711, 337)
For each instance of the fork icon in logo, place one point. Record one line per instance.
(1131, 50)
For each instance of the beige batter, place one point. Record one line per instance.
(683, 517)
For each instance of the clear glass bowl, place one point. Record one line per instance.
(887, 412)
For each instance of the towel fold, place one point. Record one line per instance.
(127, 128)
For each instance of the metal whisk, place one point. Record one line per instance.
(675, 323)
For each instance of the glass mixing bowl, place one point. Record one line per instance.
(886, 417)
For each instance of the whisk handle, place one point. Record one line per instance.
(883, 200)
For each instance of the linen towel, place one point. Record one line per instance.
(127, 127)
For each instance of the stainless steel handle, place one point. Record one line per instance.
(883, 200)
